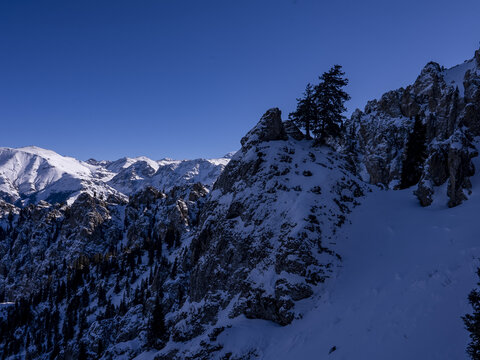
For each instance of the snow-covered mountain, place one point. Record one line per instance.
(132, 175)
(31, 174)
(296, 250)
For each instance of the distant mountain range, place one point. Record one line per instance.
(30, 174)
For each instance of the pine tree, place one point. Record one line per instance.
(85, 297)
(117, 288)
(170, 237)
(102, 295)
(82, 352)
(330, 99)
(156, 325)
(305, 116)
(472, 323)
(415, 155)
(173, 272)
(82, 323)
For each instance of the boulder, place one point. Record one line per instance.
(269, 128)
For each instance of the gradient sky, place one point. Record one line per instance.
(187, 79)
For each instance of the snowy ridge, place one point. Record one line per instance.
(456, 74)
(36, 174)
(31, 174)
(164, 174)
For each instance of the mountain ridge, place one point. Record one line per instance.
(30, 174)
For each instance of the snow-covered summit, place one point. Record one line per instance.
(30, 174)
(30, 171)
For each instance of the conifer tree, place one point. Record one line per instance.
(102, 295)
(156, 325)
(472, 323)
(414, 155)
(82, 352)
(305, 116)
(330, 100)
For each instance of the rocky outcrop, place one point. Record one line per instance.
(448, 103)
(424, 192)
(269, 128)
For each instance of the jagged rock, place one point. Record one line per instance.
(378, 136)
(460, 168)
(86, 213)
(198, 191)
(437, 166)
(238, 170)
(146, 196)
(269, 128)
(424, 192)
(259, 306)
(117, 199)
(471, 117)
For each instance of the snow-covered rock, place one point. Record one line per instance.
(447, 101)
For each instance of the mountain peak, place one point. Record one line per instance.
(30, 174)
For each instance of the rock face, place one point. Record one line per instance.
(448, 104)
(269, 128)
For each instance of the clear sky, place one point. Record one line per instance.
(187, 79)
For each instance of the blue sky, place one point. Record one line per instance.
(187, 79)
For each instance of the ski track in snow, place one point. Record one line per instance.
(400, 294)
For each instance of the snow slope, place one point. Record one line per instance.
(456, 74)
(30, 171)
(400, 294)
(31, 174)
(164, 174)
